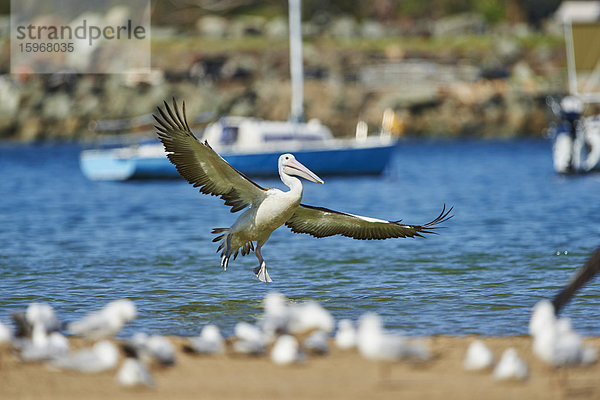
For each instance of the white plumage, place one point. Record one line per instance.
(106, 322)
(308, 316)
(6, 333)
(155, 349)
(103, 356)
(43, 345)
(43, 315)
(511, 366)
(210, 341)
(375, 343)
(317, 343)
(478, 357)
(286, 350)
(133, 372)
(554, 339)
(345, 337)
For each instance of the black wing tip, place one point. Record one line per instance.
(431, 227)
(443, 217)
(170, 120)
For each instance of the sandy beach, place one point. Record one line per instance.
(339, 375)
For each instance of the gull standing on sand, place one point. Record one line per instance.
(6, 334)
(317, 343)
(106, 322)
(345, 337)
(155, 349)
(40, 314)
(43, 345)
(281, 316)
(210, 341)
(133, 372)
(286, 350)
(511, 366)
(554, 339)
(267, 209)
(375, 344)
(478, 357)
(103, 356)
(249, 339)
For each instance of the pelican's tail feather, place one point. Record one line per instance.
(226, 249)
(224, 237)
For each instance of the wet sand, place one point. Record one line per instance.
(339, 375)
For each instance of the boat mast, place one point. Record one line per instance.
(296, 69)
(571, 67)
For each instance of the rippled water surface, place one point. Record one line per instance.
(519, 233)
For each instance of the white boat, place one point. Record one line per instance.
(253, 146)
(576, 146)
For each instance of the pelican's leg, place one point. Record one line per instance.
(261, 270)
(226, 253)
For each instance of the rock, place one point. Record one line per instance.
(344, 27)
(57, 107)
(276, 28)
(212, 26)
(372, 30)
(247, 26)
(460, 24)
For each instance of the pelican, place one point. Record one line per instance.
(266, 209)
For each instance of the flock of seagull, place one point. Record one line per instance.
(286, 332)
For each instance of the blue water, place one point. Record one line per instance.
(519, 233)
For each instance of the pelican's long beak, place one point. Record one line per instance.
(293, 167)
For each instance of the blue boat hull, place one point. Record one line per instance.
(104, 165)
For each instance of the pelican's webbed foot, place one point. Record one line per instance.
(261, 273)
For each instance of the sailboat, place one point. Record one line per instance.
(253, 145)
(576, 146)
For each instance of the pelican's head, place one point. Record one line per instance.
(290, 166)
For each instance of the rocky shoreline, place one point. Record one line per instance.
(454, 82)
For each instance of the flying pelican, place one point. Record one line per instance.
(268, 209)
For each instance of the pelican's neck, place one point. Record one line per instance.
(293, 183)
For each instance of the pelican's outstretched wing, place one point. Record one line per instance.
(200, 165)
(321, 222)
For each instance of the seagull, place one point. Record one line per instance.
(210, 341)
(478, 357)
(374, 343)
(105, 322)
(266, 209)
(41, 314)
(309, 316)
(103, 356)
(554, 339)
(345, 337)
(43, 345)
(317, 343)
(155, 349)
(6, 333)
(133, 372)
(511, 366)
(286, 350)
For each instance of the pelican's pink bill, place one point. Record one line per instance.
(301, 171)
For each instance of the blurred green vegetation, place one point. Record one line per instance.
(495, 11)
(184, 12)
